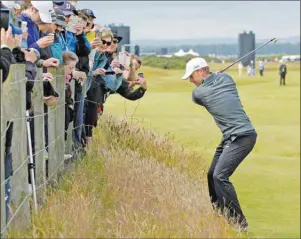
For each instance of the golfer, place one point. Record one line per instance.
(218, 94)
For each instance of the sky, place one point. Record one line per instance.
(199, 19)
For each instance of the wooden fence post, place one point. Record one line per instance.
(56, 127)
(2, 149)
(60, 118)
(40, 164)
(13, 108)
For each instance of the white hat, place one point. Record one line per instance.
(12, 4)
(45, 9)
(193, 65)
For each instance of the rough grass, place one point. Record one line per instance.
(268, 181)
(132, 183)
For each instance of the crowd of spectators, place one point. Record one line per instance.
(56, 34)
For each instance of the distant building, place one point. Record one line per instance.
(246, 43)
(123, 31)
(164, 51)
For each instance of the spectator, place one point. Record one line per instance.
(252, 65)
(240, 68)
(7, 44)
(59, 43)
(261, 67)
(69, 61)
(102, 86)
(90, 31)
(282, 73)
(249, 70)
(78, 44)
(38, 12)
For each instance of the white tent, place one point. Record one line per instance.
(180, 53)
(191, 52)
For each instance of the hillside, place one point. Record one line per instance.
(133, 183)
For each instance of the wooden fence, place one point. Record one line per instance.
(13, 113)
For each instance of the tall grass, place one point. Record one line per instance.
(132, 183)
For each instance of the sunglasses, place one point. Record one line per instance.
(108, 43)
(115, 41)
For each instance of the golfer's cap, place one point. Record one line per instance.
(193, 65)
(45, 9)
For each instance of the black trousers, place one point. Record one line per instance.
(229, 154)
(282, 79)
(95, 97)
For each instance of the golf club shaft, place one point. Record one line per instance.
(248, 54)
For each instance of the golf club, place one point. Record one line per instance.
(274, 39)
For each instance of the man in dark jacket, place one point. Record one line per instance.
(7, 43)
(282, 73)
(6, 59)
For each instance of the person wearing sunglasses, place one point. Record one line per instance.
(95, 82)
(107, 84)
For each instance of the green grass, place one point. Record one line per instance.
(268, 181)
(136, 183)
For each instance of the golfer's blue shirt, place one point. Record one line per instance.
(218, 94)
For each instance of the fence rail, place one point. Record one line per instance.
(13, 115)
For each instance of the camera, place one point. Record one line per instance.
(7, 19)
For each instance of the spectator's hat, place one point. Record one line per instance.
(88, 12)
(60, 18)
(58, 3)
(193, 65)
(119, 38)
(68, 9)
(45, 9)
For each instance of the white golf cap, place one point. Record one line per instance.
(193, 65)
(45, 9)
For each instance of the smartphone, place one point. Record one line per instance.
(23, 26)
(110, 73)
(4, 18)
(122, 58)
(140, 75)
(74, 20)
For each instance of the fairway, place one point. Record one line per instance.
(268, 181)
